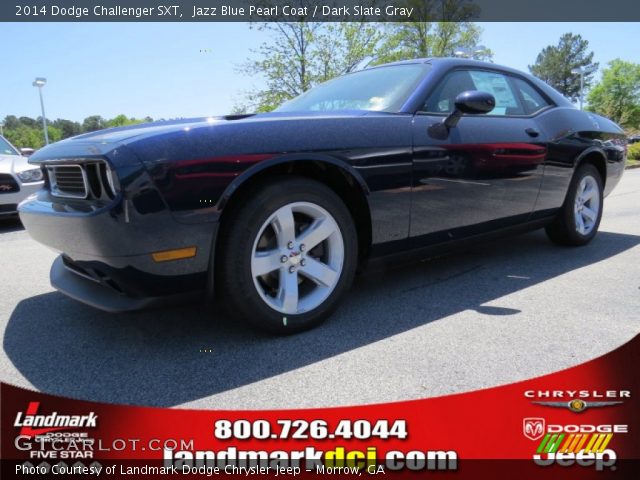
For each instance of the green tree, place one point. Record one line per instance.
(343, 46)
(55, 134)
(67, 127)
(286, 63)
(29, 122)
(303, 54)
(122, 121)
(555, 62)
(633, 152)
(24, 136)
(617, 96)
(11, 122)
(93, 123)
(239, 109)
(27, 132)
(445, 28)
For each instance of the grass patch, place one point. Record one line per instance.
(633, 163)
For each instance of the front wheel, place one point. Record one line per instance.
(579, 218)
(288, 255)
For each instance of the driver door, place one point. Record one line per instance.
(486, 172)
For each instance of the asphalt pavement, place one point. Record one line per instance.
(501, 312)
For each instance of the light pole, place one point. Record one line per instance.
(41, 82)
(582, 71)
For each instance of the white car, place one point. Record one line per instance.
(18, 179)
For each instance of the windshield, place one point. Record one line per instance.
(383, 89)
(6, 148)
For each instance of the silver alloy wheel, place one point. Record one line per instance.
(587, 205)
(297, 258)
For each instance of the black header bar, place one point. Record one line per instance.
(319, 11)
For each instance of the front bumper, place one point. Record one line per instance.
(9, 201)
(615, 170)
(106, 251)
(104, 293)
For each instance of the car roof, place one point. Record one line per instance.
(446, 63)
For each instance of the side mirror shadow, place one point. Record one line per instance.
(471, 101)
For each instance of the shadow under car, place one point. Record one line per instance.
(162, 357)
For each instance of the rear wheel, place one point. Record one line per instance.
(578, 220)
(288, 256)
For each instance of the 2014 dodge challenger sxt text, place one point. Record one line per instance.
(278, 210)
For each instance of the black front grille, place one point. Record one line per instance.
(68, 181)
(9, 208)
(90, 180)
(8, 184)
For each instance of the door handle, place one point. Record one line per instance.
(532, 132)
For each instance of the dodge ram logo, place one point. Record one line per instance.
(533, 428)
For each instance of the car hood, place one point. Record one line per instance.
(122, 134)
(13, 164)
(146, 129)
(103, 142)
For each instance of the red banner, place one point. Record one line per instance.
(577, 423)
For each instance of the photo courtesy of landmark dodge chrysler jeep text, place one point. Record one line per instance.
(276, 211)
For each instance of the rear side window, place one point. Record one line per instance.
(532, 100)
(507, 100)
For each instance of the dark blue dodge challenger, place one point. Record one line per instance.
(279, 210)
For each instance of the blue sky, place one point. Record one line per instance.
(190, 69)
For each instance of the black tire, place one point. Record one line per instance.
(241, 231)
(564, 230)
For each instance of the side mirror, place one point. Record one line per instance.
(471, 101)
(474, 101)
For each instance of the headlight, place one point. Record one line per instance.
(32, 175)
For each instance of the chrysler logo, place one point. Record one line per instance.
(577, 405)
(533, 428)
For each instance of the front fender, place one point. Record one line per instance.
(289, 158)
